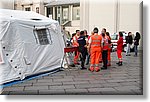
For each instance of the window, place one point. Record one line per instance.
(27, 9)
(114, 37)
(50, 13)
(43, 36)
(65, 14)
(37, 9)
(76, 13)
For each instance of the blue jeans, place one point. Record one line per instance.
(136, 49)
(88, 59)
(128, 49)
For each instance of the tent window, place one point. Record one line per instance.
(43, 36)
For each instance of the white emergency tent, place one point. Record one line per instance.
(29, 44)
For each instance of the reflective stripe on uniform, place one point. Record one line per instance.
(95, 45)
(96, 65)
(96, 40)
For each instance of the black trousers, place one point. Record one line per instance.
(83, 57)
(104, 57)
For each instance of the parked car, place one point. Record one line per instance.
(114, 39)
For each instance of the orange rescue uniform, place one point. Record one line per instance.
(109, 53)
(95, 51)
(75, 44)
(119, 48)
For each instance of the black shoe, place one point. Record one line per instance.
(103, 68)
(83, 68)
(120, 64)
(128, 55)
(117, 62)
(87, 63)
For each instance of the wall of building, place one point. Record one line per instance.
(7, 4)
(102, 15)
(130, 17)
(33, 4)
(124, 17)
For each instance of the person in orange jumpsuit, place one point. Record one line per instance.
(119, 48)
(95, 50)
(109, 49)
(75, 44)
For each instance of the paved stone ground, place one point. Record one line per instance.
(116, 80)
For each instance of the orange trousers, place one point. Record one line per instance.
(119, 54)
(76, 57)
(95, 57)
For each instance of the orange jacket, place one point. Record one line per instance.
(75, 41)
(120, 44)
(96, 41)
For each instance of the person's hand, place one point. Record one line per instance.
(85, 46)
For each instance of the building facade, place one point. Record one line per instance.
(114, 15)
(7, 4)
(67, 12)
(30, 5)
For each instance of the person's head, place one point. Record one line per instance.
(129, 33)
(103, 35)
(138, 35)
(85, 32)
(73, 35)
(120, 34)
(104, 30)
(107, 33)
(95, 30)
(78, 32)
(82, 33)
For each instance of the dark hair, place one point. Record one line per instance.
(95, 30)
(73, 35)
(129, 33)
(107, 33)
(138, 35)
(120, 34)
(77, 31)
(82, 33)
(104, 29)
(103, 34)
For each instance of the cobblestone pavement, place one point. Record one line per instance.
(116, 80)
